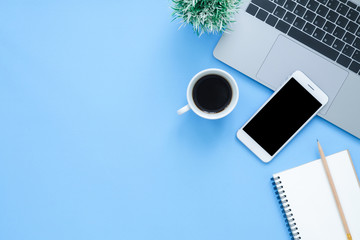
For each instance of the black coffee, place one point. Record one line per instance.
(212, 93)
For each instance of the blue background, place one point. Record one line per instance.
(91, 146)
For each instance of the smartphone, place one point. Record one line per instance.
(282, 116)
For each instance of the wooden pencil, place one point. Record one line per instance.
(333, 189)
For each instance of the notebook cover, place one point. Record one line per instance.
(308, 204)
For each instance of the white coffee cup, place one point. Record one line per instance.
(205, 114)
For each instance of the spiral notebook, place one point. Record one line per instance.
(308, 204)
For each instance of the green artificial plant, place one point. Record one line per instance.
(209, 16)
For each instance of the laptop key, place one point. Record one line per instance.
(356, 55)
(265, 4)
(332, 16)
(356, 43)
(348, 50)
(351, 27)
(312, 5)
(339, 32)
(352, 14)
(299, 23)
(309, 16)
(332, 4)
(302, 2)
(309, 28)
(319, 21)
(322, 10)
(319, 34)
(282, 26)
(351, 4)
(299, 10)
(289, 17)
(290, 5)
(279, 12)
(329, 27)
(338, 45)
(348, 38)
(357, 33)
(343, 60)
(313, 43)
(279, 2)
(262, 15)
(342, 21)
(322, 1)
(328, 39)
(252, 9)
(271, 20)
(342, 9)
(354, 66)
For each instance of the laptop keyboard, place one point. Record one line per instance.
(330, 27)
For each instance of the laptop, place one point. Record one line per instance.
(271, 39)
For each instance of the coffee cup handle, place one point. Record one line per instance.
(183, 110)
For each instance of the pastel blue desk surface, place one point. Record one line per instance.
(91, 146)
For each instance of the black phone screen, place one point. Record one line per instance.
(282, 116)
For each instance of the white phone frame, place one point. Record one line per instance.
(307, 84)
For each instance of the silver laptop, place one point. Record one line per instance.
(272, 38)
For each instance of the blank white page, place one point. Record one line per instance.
(312, 203)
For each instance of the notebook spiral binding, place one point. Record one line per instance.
(285, 208)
